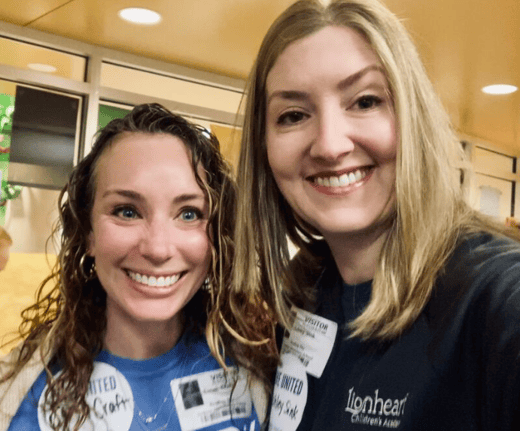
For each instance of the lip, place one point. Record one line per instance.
(340, 190)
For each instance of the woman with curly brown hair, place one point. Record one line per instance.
(119, 340)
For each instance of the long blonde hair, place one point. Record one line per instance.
(430, 211)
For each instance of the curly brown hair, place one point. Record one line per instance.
(70, 318)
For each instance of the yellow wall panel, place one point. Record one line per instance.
(18, 284)
(229, 139)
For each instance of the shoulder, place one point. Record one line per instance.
(480, 294)
(13, 390)
(484, 262)
(486, 248)
(479, 289)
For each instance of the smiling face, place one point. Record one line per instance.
(331, 134)
(148, 235)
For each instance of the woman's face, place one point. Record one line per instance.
(148, 234)
(331, 133)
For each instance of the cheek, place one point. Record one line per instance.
(393, 142)
(197, 249)
(91, 244)
(381, 141)
(110, 241)
(389, 135)
(279, 156)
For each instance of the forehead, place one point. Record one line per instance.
(331, 51)
(137, 157)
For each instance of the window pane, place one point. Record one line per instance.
(492, 163)
(38, 136)
(110, 111)
(28, 56)
(494, 196)
(170, 88)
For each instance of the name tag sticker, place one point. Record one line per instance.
(310, 339)
(110, 399)
(204, 399)
(289, 395)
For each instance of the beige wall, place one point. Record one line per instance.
(29, 220)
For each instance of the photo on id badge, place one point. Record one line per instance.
(212, 397)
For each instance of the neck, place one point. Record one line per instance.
(142, 340)
(357, 255)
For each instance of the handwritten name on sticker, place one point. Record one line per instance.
(289, 396)
(110, 398)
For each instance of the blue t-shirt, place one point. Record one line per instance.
(184, 389)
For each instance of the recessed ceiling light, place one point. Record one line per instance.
(137, 15)
(499, 89)
(40, 67)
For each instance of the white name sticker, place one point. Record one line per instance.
(310, 339)
(110, 399)
(289, 395)
(205, 399)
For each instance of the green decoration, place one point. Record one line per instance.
(10, 192)
(107, 113)
(6, 125)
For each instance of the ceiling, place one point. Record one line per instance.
(465, 44)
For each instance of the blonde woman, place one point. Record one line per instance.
(402, 306)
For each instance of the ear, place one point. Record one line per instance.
(91, 244)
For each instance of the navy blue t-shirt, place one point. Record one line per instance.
(457, 367)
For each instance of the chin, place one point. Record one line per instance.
(148, 314)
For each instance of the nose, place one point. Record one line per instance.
(332, 139)
(158, 241)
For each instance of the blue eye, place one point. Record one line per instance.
(191, 214)
(126, 212)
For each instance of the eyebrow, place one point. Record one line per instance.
(140, 198)
(349, 80)
(344, 83)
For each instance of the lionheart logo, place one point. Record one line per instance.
(375, 411)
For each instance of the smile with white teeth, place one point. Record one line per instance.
(342, 180)
(150, 280)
